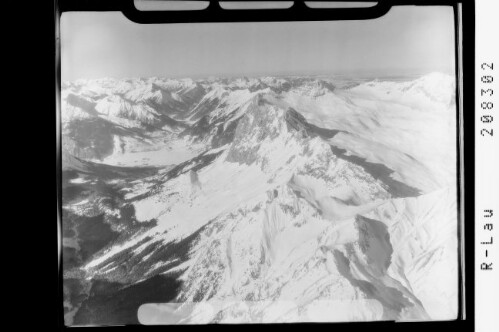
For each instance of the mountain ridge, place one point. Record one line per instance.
(264, 194)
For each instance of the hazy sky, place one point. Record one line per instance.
(406, 40)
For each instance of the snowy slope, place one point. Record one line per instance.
(281, 199)
(407, 126)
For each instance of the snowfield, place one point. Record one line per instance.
(290, 199)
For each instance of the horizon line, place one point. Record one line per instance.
(350, 75)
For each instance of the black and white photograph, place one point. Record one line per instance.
(259, 172)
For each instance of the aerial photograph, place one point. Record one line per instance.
(270, 172)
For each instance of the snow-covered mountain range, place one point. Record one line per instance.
(273, 199)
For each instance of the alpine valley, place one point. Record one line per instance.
(259, 200)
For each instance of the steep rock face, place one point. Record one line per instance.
(298, 122)
(364, 263)
(271, 135)
(423, 232)
(258, 129)
(215, 118)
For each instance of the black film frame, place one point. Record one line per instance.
(464, 25)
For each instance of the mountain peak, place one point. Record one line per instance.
(262, 122)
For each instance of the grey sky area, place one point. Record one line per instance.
(407, 40)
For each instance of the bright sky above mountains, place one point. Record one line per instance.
(407, 40)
